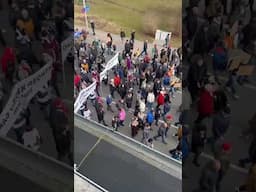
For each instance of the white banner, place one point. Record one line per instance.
(84, 94)
(21, 95)
(161, 35)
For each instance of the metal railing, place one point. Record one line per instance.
(132, 141)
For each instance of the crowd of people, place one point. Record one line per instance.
(211, 31)
(39, 28)
(143, 84)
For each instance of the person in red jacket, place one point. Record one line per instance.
(206, 103)
(8, 63)
(117, 81)
(160, 99)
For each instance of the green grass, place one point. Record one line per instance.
(129, 14)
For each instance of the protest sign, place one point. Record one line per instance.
(21, 95)
(161, 35)
(245, 70)
(83, 95)
(235, 64)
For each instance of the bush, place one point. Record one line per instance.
(150, 24)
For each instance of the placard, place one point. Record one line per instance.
(246, 70)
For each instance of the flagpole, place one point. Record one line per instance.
(85, 17)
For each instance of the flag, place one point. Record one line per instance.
(86, 9)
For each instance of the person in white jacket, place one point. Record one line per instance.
(150, 100)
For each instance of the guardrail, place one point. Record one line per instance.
(35, 166)
(154, 152)
(90, 181)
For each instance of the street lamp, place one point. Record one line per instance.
(85, 16)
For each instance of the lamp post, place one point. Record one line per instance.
(85, 16)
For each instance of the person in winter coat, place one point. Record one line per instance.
(209, 176)
(158, 113)
(150, 100)
(161, 132)
(150, 117)
(220, 124)
(220, 58)
(142, 106)
(146, 133)
(157, 87)
(134, 126)
(196, 74)
(8, 63)
(206, 103)
(223, 155)
(26, 23)
(115, 123)
(251, 154)
(24, 70)
(112, 88)
(121, 116)
(122, 35)
(166, 109)
(44, 98)
(109, 101)
(185, 105)
(128, 100)
(198, 141)
(160, 99)
(100, 115)
(122, 92)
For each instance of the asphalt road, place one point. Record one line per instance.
(117, 170)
